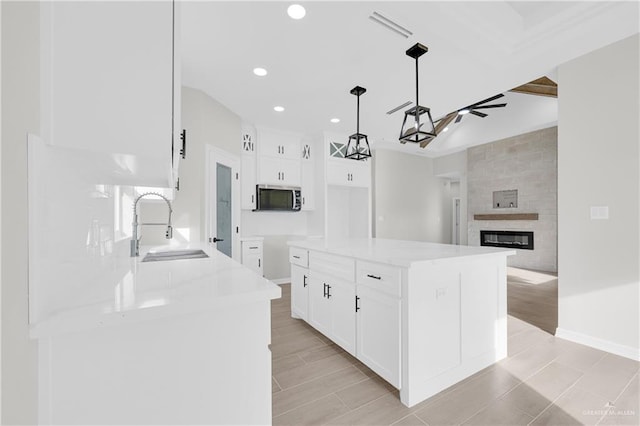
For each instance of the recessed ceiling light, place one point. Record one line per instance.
(335, 120)
(278, 108)
(260, 72)
(296, 11)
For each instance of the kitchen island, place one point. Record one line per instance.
(166, 342)
(423, 316)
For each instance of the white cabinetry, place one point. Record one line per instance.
(308, 177)
(348, 173)
(299, 260)
(110, 74)
(248, 169)
(276, 171)
(337, 307)
(278, 158)
(252, 254)
(424, 316)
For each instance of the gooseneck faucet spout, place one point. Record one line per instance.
(135, 241)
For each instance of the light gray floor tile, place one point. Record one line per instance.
(364, 392)
(411, 420)
(541, 389)
(576, 406)
(608, 377)
(314, 413)
(291, 398)
(304, 373)
(626, 409)
(500, 413)
(382, 411)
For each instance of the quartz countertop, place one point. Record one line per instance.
(397, 252)
(134, 291)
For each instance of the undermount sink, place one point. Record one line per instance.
(174, 255)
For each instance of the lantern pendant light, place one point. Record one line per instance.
(358, 145)
(418, 125)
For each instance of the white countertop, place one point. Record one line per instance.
(397, 252)
(133, 291)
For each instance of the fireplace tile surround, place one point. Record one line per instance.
(527, 163)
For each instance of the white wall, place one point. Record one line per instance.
(454, 167)
(598, 163)
(20, 115)
(409, 203)
(206, 122)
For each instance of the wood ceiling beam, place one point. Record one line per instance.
(540, 87)
(441, 125)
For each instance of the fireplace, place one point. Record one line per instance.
(507, 239)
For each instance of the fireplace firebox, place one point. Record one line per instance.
(507, 239)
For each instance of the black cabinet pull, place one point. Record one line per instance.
(183, 138)
(253, 247)
(374, 277)
(296, 257)
(328, 291)
(325, 290)
(282, 149)
(304, 281)
(258, 263)
(357, 307)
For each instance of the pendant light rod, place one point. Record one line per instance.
(417, 94)
(358, 145)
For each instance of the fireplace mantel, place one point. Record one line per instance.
(506, 216)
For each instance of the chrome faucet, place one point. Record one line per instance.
(135, 241)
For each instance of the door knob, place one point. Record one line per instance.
(215, 239)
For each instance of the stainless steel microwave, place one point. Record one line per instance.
(278, 198)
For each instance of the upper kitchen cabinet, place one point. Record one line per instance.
(342, 171)
(279, 158)
(248, 168)
(110, 82)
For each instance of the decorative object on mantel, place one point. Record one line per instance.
(358, 145)
(417, 125)
(506, 216)
(505, 199)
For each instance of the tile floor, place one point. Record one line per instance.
(544, 380)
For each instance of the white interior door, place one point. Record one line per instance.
(223, 204)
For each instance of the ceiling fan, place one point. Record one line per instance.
(472, 109)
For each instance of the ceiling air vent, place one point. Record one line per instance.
(390, 25)
(399, 107)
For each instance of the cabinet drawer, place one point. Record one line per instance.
(299, 256)
(341, 267)
(384, 278)
(251, 247)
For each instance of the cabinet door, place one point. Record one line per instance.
(299, 292)
(290, 172)
(252, 255)
(378, 331)
(337, 173)
(109, 86)
(248, 182)
(319, 308)
(308, 186)
(359, 174)
(269, 171)
(342, 297)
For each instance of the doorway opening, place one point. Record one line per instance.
(223, 201)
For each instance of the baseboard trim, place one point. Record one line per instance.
(597, 343)
(281, 281)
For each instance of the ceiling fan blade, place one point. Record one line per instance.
(490, 106)
(493, 98)
(479, 114)
(459, 118)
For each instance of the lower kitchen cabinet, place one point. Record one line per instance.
(332, 309)
(300, 292)
(378, 333)
(252, 254)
